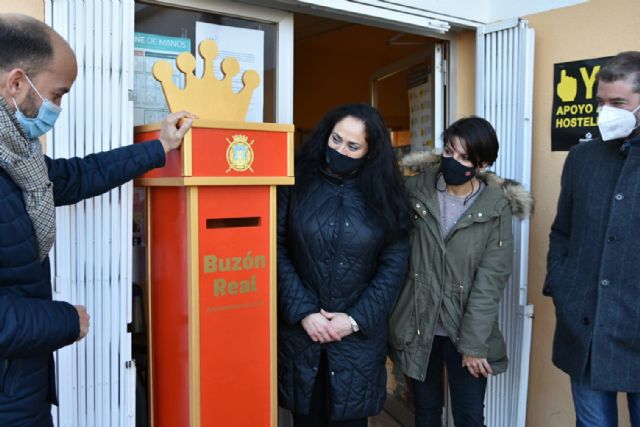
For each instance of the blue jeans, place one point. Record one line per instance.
(600, 409)
(467, 392)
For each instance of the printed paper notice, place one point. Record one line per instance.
(149, 104)
(420, 117)
(244, 44)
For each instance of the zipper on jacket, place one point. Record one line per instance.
(415, 302)
(500, 230)
(461, 288)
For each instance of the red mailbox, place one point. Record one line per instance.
(211, 272)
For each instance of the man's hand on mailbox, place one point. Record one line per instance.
(173, 128)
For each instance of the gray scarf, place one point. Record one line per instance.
(24, 162)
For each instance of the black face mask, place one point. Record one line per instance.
(454, 172)
(341, 164)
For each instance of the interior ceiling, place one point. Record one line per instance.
(309, 26)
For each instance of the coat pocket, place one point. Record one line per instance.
(457, 293)
(405, 321)
(461, 295)
(400, 330)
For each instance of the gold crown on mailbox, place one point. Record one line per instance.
(207, 97)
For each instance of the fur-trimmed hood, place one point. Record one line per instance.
(521, 200)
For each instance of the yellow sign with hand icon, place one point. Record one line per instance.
(574, 113)
(567, 89)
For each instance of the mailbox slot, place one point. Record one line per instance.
(252, 221)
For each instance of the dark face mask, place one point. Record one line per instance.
(454, 172)
(341, 164)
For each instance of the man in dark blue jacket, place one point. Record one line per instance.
(594, 254)
(37, 67)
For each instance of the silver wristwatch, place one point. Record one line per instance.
(354, 324)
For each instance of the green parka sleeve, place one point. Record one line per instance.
(481, 310)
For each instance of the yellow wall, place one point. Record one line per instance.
(34, 8)
(466, 75)
(590, 30)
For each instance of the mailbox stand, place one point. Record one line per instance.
(211, 274)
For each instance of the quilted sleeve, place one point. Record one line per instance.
(372, 309)
(295, 301)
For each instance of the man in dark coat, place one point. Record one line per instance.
(594, 254)
(37, 67)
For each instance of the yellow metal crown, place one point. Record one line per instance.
(207, 97)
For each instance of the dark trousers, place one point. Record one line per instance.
(467, 392)
(321, 403)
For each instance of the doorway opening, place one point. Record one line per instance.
(338, 62)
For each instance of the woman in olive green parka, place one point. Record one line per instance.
(461, 260)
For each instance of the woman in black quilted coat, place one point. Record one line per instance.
(342, 256)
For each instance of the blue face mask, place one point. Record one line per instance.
(48, 113)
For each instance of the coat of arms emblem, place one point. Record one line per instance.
(239, 153)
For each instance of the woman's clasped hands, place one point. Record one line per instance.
(325, 327)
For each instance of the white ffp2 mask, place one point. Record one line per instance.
(615, 123)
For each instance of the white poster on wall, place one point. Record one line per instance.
(244, 44)
(149, 103)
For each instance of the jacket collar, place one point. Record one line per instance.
(498, 190)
